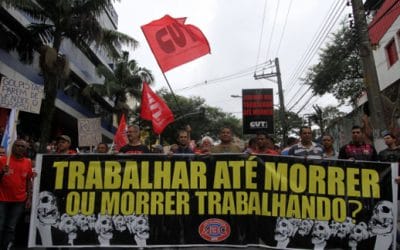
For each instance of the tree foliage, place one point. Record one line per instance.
(322, 117)
(54, 21)
(293, 122)
(203, 119)
(339, 70)
(126, 79)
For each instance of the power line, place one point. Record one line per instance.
(316, 44)
(284, 28)
(273, 28)
(304, 105)
(329, 22)
(241, 73)
(262, 31)
(298, 100)
(316, 37)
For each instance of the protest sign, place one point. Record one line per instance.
(258, 111)
(89, 131)
(20, 94)
(216, 200)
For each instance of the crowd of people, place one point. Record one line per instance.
(16, 170)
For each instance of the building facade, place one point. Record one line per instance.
(70, 103)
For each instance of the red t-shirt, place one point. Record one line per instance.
(13, 184)
(266, 151)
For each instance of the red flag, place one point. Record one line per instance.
(155, 110)
(173, 42)
(120, 138)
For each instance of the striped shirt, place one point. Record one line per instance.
(300, 150)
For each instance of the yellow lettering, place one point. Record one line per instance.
(251, 174)
(316, 180)
(162, 175)
(60, 167)
(131, 176)
(276, 176)
(112, 177)
(94, 177)
(76, 173)
(370, 183)
(198, 179)
(180, 178)
(221, 176)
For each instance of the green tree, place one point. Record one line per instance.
(322, 117)
(57, 20)
(126, 79)
(339, 70)
(203, 119)
(293, 123)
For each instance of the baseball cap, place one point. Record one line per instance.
(64, 137)
(386, 133)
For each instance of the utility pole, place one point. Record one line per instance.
(281, 101)
(370, 73)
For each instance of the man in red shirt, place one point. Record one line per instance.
(264, 144)
(15, 183)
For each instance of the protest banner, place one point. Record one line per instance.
(89, 131)
(258, 111)
(20, 94)
(215, 200)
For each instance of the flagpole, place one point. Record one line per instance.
(173, 94)
(14, 127)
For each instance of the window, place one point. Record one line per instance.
(391, 52)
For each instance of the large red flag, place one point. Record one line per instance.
(173, 42)
(155, 110)
(120, 137)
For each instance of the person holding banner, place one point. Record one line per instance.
(15, 183)
(357, 149)
(102, 148)
(226, 145)
(134, 145)
(264, 144)
(392, 152)
(183, 143)
(64, 144)
(306, 147)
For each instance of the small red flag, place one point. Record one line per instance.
(120, 137)
(173, 42)
(154, 109)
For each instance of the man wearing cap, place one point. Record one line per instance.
(63, 144)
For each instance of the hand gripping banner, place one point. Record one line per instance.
(229, 200)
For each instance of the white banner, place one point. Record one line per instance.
(89, 130)
(22, 95)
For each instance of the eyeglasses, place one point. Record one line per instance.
(20, 146)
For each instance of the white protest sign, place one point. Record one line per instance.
(22, 95)
(89, 130)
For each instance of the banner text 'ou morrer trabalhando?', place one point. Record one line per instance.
(225, 200)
